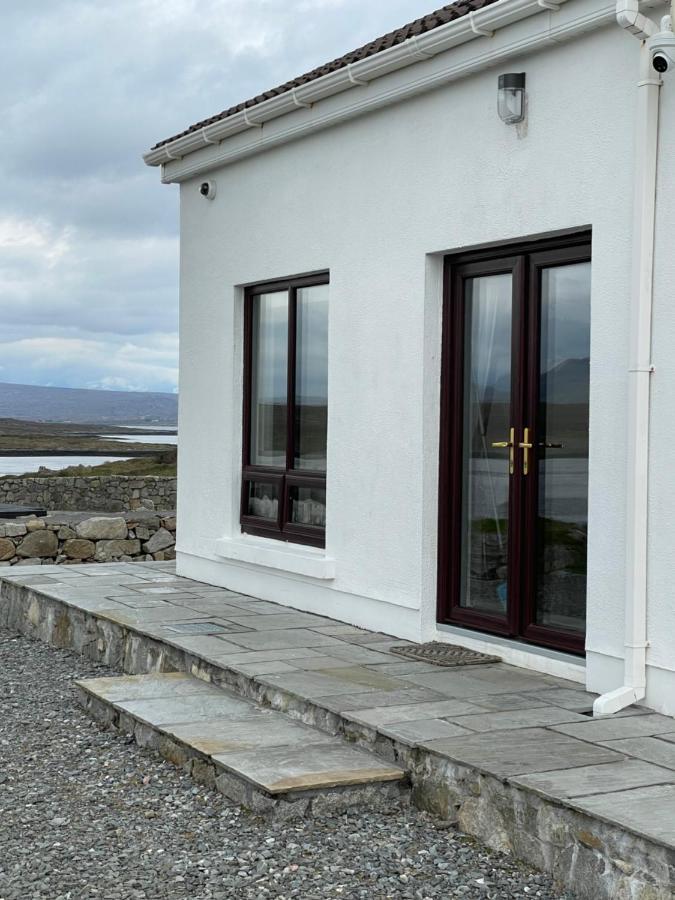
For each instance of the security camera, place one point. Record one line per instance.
(662, 48)
(208, 189)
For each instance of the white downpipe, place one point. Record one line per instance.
(639, 373)
(630, 18)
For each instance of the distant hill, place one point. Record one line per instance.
(566, 382)
(57, 404)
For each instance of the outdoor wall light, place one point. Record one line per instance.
(511, 97)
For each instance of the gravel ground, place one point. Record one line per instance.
(84, 813)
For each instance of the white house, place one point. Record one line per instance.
(428, 339)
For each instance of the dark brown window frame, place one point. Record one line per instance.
(555, 248)
(287, 478)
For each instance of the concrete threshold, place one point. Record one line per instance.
(509, 755)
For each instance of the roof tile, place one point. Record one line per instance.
(420, 26)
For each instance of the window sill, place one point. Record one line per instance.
(295, 558)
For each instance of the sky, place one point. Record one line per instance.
(88, 235)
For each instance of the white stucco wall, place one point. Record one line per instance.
(377, 201)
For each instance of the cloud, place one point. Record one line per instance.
(88, 235)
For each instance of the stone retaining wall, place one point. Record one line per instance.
(63, 539)
(107, 493)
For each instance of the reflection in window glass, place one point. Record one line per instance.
(263, 500)
(311, 378)
(563, 446)
(308, 506)
(487, 419)
(269, 378)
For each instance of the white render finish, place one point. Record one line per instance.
(377, 200)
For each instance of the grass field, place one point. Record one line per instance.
(146, 465)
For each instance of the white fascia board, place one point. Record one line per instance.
(239, 135)
(470, 27)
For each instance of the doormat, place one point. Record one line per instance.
(438, 654)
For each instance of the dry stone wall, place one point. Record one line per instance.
(96, 539)
(104, 493)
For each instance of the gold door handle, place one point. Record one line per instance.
(526, 445)
(502, 445)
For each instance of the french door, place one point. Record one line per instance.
(513, 501)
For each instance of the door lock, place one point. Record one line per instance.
(502, 445)
(526, 445)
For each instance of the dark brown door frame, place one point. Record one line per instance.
(525, 261)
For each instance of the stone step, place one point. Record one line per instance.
(255, 756)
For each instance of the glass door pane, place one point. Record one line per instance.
(488, 314)
(269, 375)
(311, 377)
(562, 447)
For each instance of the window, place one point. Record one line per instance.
(285, 410)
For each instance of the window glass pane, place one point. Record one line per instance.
(308, 506)
(311, 378)
(487, 422)
(562, 527)
(263, 500)
(268, 379)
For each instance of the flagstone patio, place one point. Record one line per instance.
(513, 756)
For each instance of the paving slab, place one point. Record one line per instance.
(623, 775)
(323, 664)
(284, 638)
(223, 734)
(155, 615)
(647, 811)
(278, 622)
(212, 607)
(360, 655)
(240, 655)
(134, 687)
(456, 683)
(501, 702)
(516, 718)
(271, 667)
(209, 644)
(191, 708)
(336, 629)
(249, 605)
(137, 601)
(416, 732)
(521, 751)
(323, 765)
(651, 749)
(314, 684)
(354, 701)
(396, 667)
(610, 729)
(578, 701)
(385, 715)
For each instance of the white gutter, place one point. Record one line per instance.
(181, 161)
(479, 25)
(640, 370)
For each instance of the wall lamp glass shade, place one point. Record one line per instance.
(511, 98)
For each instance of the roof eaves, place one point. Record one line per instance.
(426, 23)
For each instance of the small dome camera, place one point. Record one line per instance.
(208, 189)
(662, 48)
